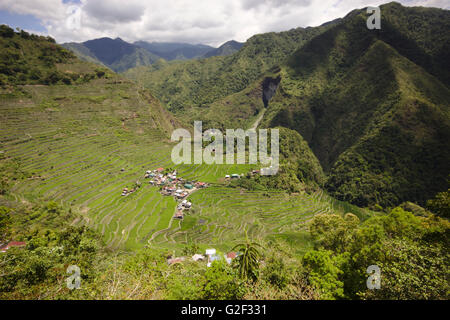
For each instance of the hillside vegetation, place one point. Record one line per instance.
(27, 58)
(374, 109)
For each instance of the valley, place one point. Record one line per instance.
(88, 179)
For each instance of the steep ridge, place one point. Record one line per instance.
(377, 120)
(225, 49)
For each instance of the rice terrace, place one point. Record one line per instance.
(319, 167)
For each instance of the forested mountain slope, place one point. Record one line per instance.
(373, 105)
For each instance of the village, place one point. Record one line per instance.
(179, 188)
(170, 185)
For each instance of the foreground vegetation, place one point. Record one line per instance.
(412, 252)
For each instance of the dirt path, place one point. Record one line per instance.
(258, 120)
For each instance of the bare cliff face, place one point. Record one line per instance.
(270, 86)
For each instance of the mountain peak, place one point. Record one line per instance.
(225, 49)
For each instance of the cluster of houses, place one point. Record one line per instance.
(210, 256)
(171, 185)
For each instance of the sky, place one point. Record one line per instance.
(211, 22)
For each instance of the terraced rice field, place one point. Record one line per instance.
(221, 215)
(74, 144)
(74, 152)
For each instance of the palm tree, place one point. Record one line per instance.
(248, 263)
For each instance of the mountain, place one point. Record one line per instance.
(364, 114)
(116, 54)
(76, 135)
(82, 52)
(226, 49)
(120, 55)
(193, 85)
(175, 51)
(373, 105)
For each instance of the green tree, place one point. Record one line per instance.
(332, 231)
(276, 272)
(190, 249)
(323, 271)
(412, 271)
(248, 259)
(440, 204)
(222, 282)
(6, 32)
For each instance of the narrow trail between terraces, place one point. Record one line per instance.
(258, 120)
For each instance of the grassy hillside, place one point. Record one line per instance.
(69, 144)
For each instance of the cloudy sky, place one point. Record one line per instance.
(194, 21)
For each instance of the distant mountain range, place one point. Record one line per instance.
(226, 49)
(175, 51)
(120, 55)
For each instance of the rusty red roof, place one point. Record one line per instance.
(12, 244)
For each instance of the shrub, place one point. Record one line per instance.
(276, 272)
(222, 283)
(6, 32)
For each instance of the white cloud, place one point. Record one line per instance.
(200, 21)
(116, 11)
(46, 10)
